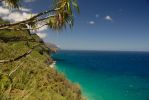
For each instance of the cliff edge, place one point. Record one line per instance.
(25, 72)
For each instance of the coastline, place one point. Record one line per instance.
(56, 67)
(29, 72)
(105, 76)
(52, 65)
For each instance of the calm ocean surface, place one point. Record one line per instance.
(107, 75)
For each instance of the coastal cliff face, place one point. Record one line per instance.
(25, 72)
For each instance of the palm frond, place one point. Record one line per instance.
(58, 17)
(13, 3)
(64, 16)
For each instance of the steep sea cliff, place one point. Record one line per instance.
(25, 72)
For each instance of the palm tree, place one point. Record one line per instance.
(56, 18)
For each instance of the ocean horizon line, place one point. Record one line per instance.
(103, 50)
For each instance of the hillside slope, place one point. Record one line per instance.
(25, 72)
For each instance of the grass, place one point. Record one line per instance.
(31, 77)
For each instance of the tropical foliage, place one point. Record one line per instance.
(59, 16)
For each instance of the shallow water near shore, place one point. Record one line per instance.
(107, 75)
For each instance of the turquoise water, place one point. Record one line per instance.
(107, 75)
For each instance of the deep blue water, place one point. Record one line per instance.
(105, 75)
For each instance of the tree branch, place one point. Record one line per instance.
(25, 21)
(15, 69)
(19, 29)
(22, 56)
(32, 19)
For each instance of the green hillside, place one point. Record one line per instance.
(25, 72)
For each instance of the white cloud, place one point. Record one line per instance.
(44, 28)
(92, 22)
(41, 32)
(42, 35)
(25, 10)
(108, 18)
(97, 15)
(16, 16)
(3, 11)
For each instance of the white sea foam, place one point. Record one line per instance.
(53, 64)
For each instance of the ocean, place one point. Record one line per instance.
(107, 75)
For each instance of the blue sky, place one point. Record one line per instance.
(104, 25)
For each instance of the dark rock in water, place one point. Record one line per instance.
(58, 59)
(49, 61)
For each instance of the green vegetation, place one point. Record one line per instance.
(30, 77)
(24, 58)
